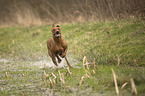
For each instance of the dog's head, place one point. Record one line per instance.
(56, 31)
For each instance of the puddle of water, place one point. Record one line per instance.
(47, 62)
(4, 61)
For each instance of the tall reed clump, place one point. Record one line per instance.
(38, 12)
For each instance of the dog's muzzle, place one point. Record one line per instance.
(57, 34)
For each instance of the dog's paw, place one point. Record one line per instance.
(59, 61)
(63, 55)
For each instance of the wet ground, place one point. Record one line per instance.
(27, 78)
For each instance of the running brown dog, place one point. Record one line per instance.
(57, 46)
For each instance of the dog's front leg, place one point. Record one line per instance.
(54, 60)
(64, 53)
(52, 57)
(59, 60)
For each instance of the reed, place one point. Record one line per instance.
(81, 80)
(61, 78)
(70, 73)
(134, 91)
(6, 74)
(51, 82)
(124, 85)
(115, 82)
(85, 63)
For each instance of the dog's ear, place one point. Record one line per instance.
(53, 25)
(57, 25)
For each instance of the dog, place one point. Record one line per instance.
(57, 46)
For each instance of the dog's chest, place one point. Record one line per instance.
(59, 50)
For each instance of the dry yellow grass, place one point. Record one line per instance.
(40, 12)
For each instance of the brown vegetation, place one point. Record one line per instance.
(38, 12)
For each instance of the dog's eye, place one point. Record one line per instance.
(53, 29)
(58, 28)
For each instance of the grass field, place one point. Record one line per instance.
(26, 68)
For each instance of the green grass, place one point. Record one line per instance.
(104, 43)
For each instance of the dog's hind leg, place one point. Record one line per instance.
(52, 57)
(68, 62)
